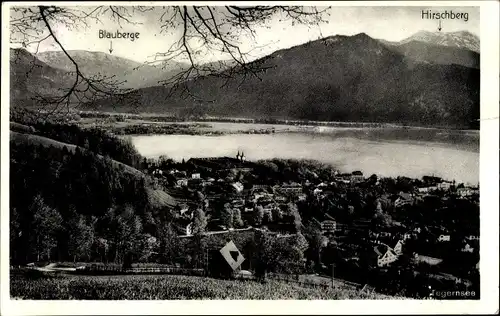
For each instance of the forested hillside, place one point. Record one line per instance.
(79, 202)
(339, 78)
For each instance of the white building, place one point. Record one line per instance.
(398, 249)
(467, 248)
(442, 238)
(385, 257)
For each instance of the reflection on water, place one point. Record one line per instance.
(386, 158)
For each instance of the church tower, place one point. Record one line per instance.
(238, 155)
(243, 158)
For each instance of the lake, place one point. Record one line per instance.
(391, 155)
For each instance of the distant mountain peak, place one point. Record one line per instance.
(460, 39)
(361, 35)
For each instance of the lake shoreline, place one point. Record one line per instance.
(158, 117)
(389, 158)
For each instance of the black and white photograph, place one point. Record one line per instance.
(250, 151)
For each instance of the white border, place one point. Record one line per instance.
(489, 201)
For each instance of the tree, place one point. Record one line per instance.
(291, 208)
(128, 238)
(47, 222)
(277, 214)
(15, 232)
(382, 219)
(227, 215)
(216, 29)
(81, 238)
(169, 243)
(300, 245)
(258, 215)
(293, 211)
(237, 220)
(262, 243)
(301, 242)
(316, 243)
(200, 197)
(268, 216)
(103, 246)
(199, 222)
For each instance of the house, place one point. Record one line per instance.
(467, 248)
(357, 176)
(195, 182)
(322, 185)
(280, 198)
(269, 208)
(328, 226)
(291, 188)
(445, 185)
(472, 237)
(302, 197)
(427, 189)
(260, 187)
(385, 255)
(183, 182)
(157, 172)
(429, 260)
(184, 208)
(238, 187)
(442, 238)
(398, 249)
(206, 183)
(185, 228)
(195, 176)
(407, 236)
(238, 203)
(465, 192)
(403, 199)
(263, 198)
(248, 209)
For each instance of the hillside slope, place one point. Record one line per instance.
(421, 52)
(156, 197)
(44, 141)
(30, 77)
(339, 78)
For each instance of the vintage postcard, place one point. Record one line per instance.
(249, 158)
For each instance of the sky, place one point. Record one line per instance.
(389, 23)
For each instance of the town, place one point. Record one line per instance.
(415, 228)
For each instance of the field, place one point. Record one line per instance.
(171, 287)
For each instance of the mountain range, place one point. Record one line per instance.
(461, 39)
(134, 74)
(461, 48)
(426, 79)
